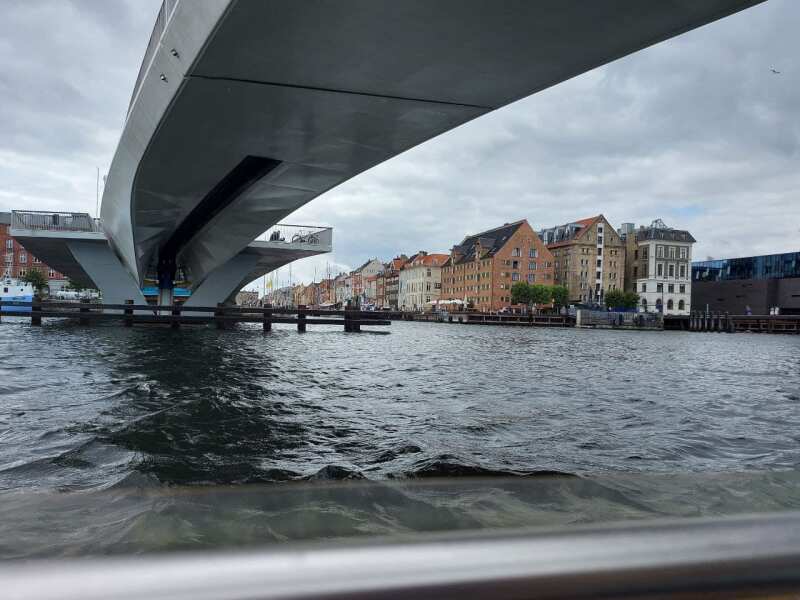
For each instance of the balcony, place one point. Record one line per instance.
(306, 237)
(37, 220)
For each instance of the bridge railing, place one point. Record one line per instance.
(298, 234)
(54, 221)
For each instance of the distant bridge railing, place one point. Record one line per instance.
(53, 221)
(298, 234)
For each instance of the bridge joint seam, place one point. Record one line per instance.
(335, 91)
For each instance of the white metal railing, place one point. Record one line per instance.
(724, 557)
(297, 234)
(53, 221)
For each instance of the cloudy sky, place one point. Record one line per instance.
(697, 131)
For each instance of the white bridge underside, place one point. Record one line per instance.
(331, 89)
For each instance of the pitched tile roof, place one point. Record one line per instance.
(490, 242)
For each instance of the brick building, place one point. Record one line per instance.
(391, 273)
(588, 256)
(483, 267)
(17, 261)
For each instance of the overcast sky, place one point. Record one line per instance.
(696, 130)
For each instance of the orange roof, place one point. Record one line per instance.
(428, 260)
(584, 223)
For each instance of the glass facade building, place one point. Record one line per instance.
(770, 266)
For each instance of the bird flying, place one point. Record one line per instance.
(774, 70)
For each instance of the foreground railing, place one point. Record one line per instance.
(38, 220)
(742, 557)
(298, 234)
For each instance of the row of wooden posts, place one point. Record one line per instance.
(175, 316)
(726, 322)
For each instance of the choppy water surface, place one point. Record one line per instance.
(127, 440)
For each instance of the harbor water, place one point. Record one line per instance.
(116, 440)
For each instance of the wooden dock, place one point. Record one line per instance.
(221, 316)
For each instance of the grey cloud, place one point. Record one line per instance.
(695, 130)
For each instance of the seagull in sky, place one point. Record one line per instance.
(775, 71)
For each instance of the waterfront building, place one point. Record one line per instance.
(482, 268)
(247, 298)
(761, 283)
(280, 297)
(657, 261)
(420, 281)
(341, 289)
(17, 261)
(391, 275)
(588, 258)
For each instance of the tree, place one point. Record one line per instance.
(73, 285)
(541, 294)
(615, 299)
(36, 278)
(520, 293)
(560, 295)
(630, 300)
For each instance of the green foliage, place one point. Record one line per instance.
(615, 299)
(36, 278)
(520, 293)
(560, 295)
(620, 299)
(631, 300)
(538, 294)
(73, 285)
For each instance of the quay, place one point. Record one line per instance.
(130, 314)
(725, 322)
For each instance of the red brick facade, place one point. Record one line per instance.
(16, 260)
(482, 269)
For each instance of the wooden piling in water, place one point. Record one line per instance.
(36, 310)
(83, 320)
(128, 314)
(268, 318)
(176, 316)
(301, 318)
(219, 315)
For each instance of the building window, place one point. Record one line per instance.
(660, 269)
(644, 303)
(672, 251)
(669, 304)
(36, 260)
(671, 288)
(23, 272)
(515, 264)
(9, 244)
(672, 270)
(516, 252)
(635, 272)
(533, 253)
(681, 305)
(644, 253)
(659, 251)
(683, 252)
(683, 271)
(660, 288)
(682, 289)
(599, 263)
(532, 266)
(644, 287)
(23, 257)
(531, 277)
(515, 277)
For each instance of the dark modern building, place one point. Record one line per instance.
(760, 282)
